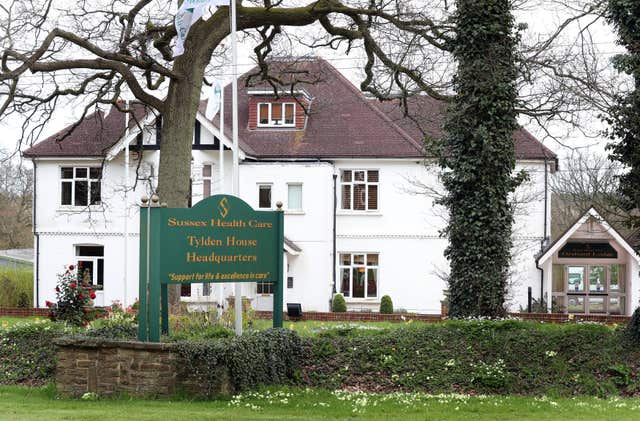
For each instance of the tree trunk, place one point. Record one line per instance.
(481, 158)
(178, 121)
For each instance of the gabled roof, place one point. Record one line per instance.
(634, 240)
(92, 137)
(561, 240)
(425, 118)
(342, 123)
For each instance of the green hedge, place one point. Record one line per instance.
(27, 353)
(16, 285)
(458, 356)
(255, 359)
(481, 356)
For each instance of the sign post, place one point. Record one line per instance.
(221, 239)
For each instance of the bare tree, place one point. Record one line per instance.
(16, 191)
(585, 181)
(98, 49)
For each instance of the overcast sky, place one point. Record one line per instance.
(538, 21)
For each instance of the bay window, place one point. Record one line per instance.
(359, 275)
(589, 288)
(359, 190)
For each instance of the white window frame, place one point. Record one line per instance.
(606, 293)
(301, 208)
(205, 179)
(277, 123)
(73, 180)
(93, 259)
(261, 185)
(352, 266)
(263, 288)
(366, 183)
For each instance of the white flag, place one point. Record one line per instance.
(213, 104)
(188, 14)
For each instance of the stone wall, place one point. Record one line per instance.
(138, 369)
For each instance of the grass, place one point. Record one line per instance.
(16, 285)
(6, 321)
(313, 327)
(21, 403)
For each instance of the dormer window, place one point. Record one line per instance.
(276, 114)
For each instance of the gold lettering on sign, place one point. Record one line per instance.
(173, 222)
(202, 241)
(193, 257)
(223, 207)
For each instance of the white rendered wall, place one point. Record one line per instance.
(404, 231)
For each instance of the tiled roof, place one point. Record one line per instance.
(95, 134)
(425, 117)
(634, 240)
(342, 122)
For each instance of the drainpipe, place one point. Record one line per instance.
(544, 234)
(335, 209)
(36, 235)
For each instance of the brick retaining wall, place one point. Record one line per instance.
(24, 312)
(433, 318)
(138, 369)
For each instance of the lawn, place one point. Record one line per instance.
(22, 403)
(6, 321)
(313, 327)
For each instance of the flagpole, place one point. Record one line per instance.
(125, 249)
(221, 181)
(236, 167)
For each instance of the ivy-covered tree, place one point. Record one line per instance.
(478, 157)
(624, 115)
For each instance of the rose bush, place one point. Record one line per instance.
(74, 300)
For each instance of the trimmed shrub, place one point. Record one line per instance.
(633, 328)
(16, 285)
(338, 304)
(386, 305)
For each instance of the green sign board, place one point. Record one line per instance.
(221, 239)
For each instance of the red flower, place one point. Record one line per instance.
(48, 303)
(72, 285)
(57, 289)
(92, 295)
(80, 297)
(84, 284)
(86, 323)
(71, 267)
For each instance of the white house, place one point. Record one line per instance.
(358, 195)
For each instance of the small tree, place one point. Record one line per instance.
(74, 300)
(338, 305)
(386, 305)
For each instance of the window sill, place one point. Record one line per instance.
(358, 213)
(372, 300)
(79, 209)
(294, 212)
